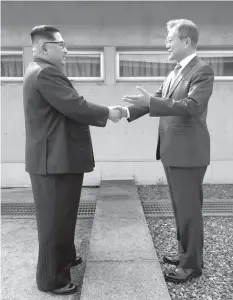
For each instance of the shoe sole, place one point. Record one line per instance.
(77, 263)
(167, 261)
(180, 280)
(68, 292)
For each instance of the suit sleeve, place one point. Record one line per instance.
(200, 90)
(55, 89)
(137, 112)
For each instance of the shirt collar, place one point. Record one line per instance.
(186, 60)
(42, 60)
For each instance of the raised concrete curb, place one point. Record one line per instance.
(122, 263)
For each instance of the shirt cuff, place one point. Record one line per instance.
(128, 114)
(150, 102)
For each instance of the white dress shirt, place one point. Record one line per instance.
(185, 61)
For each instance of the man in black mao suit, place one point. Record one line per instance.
(58, 153)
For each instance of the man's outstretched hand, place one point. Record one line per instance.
(139, 100)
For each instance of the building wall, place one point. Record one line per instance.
(121, 150)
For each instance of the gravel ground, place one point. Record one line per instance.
(216, 283)
(160, 192)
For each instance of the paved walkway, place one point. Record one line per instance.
(122, 263)
(24, 195)
(19, 250)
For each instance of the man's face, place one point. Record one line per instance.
(177, 48)
(56, 50)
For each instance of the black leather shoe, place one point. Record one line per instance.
(182, 275)
(172, 260)
(67, 290)
(76, 261)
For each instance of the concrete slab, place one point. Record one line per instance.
(17, 195)
(116, 239)
(110, 197)
(24, 195)
(132, 210)
(118, 183)
(123, 281)
(122, 263)
(122, 189)
(111, 193)
(120, 256)
(19, 250)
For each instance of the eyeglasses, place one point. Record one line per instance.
(169, 41)
(61, 44)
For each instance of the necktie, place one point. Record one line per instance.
(175, 72)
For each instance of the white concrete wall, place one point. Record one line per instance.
(121, 150)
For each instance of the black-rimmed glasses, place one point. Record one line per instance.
(61, 44)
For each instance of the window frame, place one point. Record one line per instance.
(161, 78)
(89, 79)
(217, 78)
(129, 79)
(13, 79)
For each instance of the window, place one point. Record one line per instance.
(11, 65)
(84, 66)
(154, 65)
(220, 61)
(142, 65)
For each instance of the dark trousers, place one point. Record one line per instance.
(56, 200)
(185, 186)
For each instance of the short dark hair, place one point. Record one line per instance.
(186, 28)
(43, 31)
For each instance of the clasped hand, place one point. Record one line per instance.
(116, 113)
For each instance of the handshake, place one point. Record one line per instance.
(117, 112)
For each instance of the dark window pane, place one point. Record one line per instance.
(11, 65)
(222, 66)
(83, 66)
(157, 65)
(143, 65)
(144, 69)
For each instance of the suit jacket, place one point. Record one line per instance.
(183, 139)
(57, 122)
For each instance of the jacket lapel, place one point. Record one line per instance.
(166, 84)
(181, 75)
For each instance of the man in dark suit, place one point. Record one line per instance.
(183, 141)
(58, 153)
